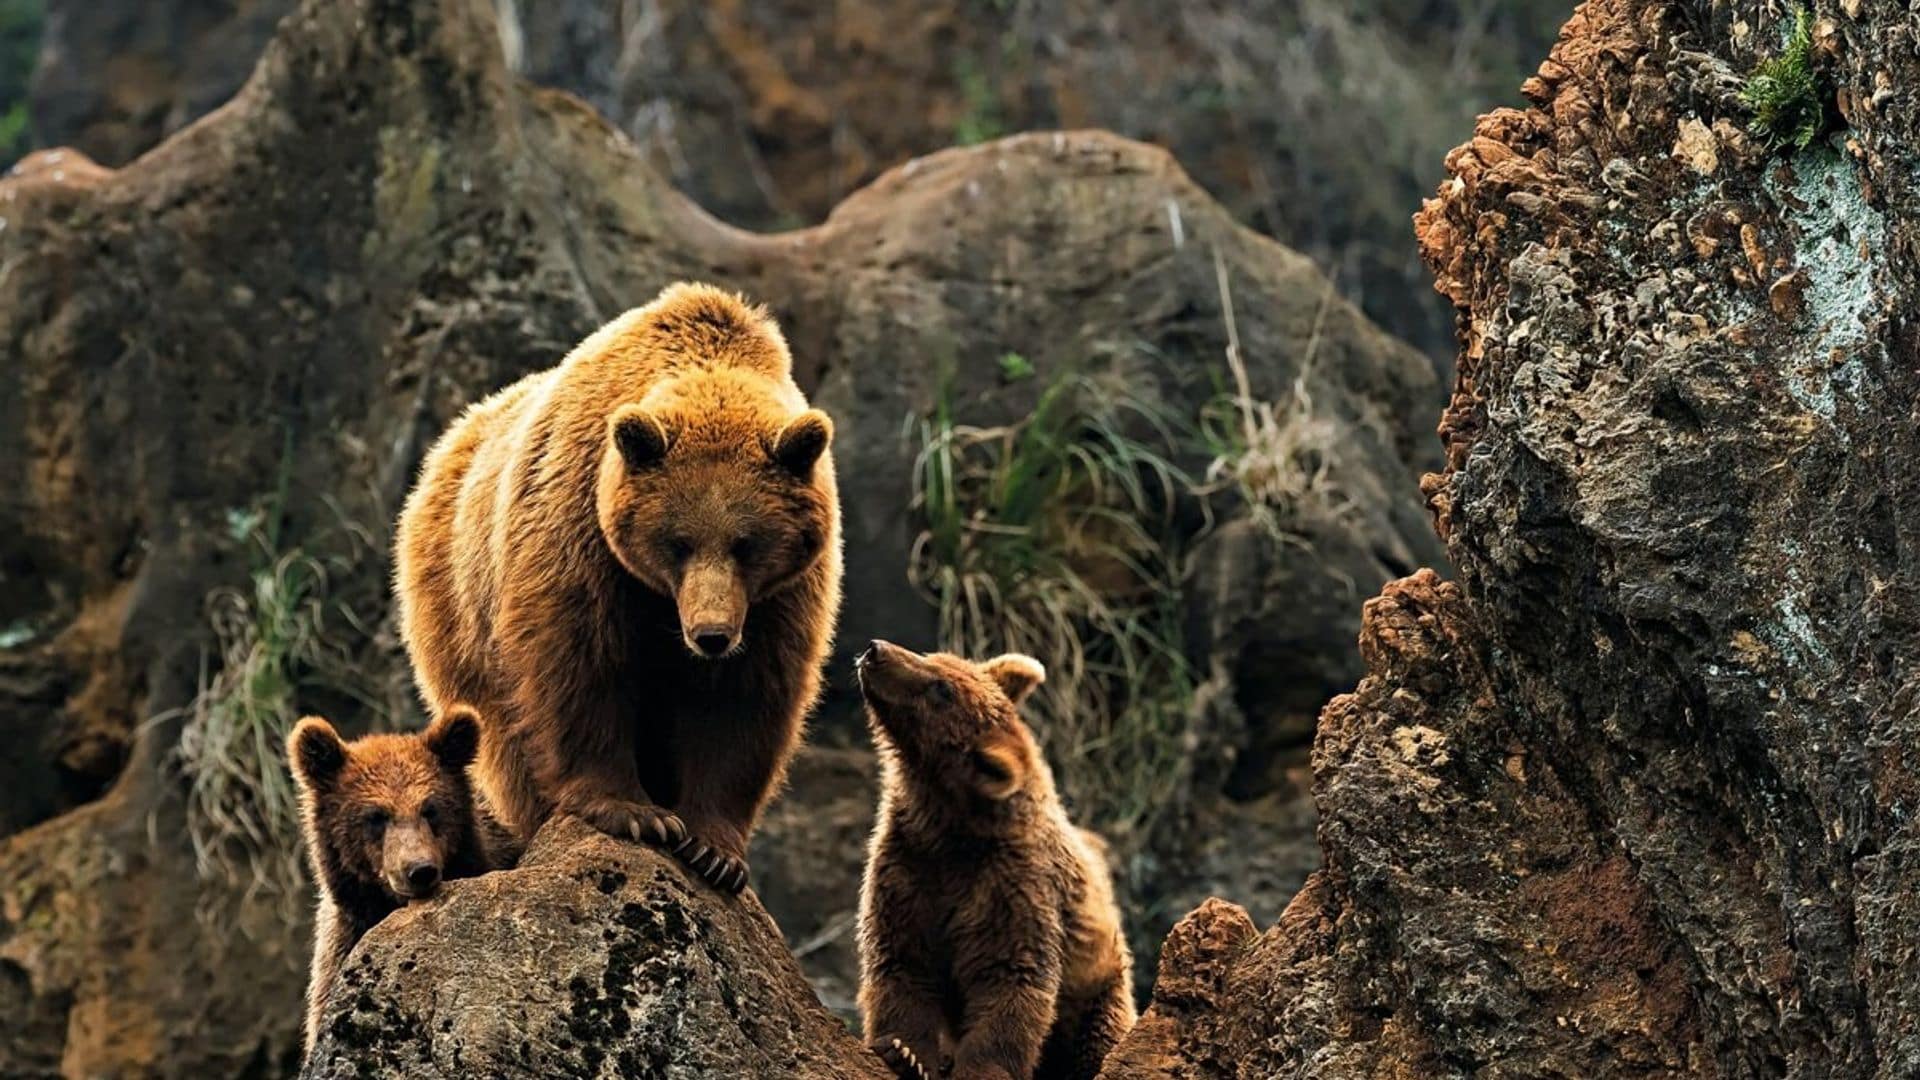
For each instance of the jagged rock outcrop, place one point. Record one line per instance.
(234, 349)
(1636, 797)
(592, 957)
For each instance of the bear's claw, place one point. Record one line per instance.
(724, 872)
(901, 1059)
(642, 823)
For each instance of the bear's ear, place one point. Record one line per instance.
(316, 752)
(800, 444)
(999, 769)
(639, 435)
(454, 739)
(1016, 674)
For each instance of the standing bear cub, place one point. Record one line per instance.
(990, 944)
(386, 819)
(630, 563)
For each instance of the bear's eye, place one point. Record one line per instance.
(941, 692)
(745, 548)
(375, 820)
(679, 550)
(430, 813)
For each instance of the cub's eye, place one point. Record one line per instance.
(941, 692)
(431, 813)
(745, 548)
(679, 549)
(376, 820)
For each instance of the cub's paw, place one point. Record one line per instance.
(725, 872)
(901, 1059)
(642, 823)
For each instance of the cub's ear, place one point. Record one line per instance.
(455, 738)
(800, 444)
(640, 436)
(316, 752)
(999, 768)
(1016, 674)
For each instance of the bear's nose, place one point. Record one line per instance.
(423, 876)
(713, 640)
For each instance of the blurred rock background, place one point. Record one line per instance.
(233, 325)
(1315, 122)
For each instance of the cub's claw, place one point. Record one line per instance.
(901, 1059)
(724, 872)
(642, 823)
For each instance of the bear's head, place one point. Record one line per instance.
(387, 813)
(716, 503)
(954, 723)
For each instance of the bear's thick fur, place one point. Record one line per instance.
(989, 936)
(386, 819)
(630, 563)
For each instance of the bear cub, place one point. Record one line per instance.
(386, 819)
(990, 943)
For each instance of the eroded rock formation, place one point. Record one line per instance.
(1636, 797)
(1315, 123)
(234, 349)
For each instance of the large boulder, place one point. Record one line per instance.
(1636, 796)
(593, 957)
(227, 356)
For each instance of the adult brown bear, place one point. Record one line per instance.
(630, 565)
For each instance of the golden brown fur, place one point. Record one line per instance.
(631, 564)
(990, 942)
(386, 819)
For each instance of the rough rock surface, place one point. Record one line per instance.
(250, 323)
(1637, 796)
(769, 112)
(593, 957)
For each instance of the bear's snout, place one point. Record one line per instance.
(411, 864)
(713, 640)
(713, 608)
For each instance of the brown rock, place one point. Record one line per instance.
(1634, 797)
(593, 955)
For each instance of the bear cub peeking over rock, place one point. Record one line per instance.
(630, 564)
(990, 943)
(386, 819)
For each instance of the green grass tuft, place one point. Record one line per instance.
(1785, 93)
(1054, 537)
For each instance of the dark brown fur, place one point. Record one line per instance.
(989, 937)
(386, 819)
(631, 564)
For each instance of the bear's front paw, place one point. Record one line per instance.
(642, 823)
(722, 869)
(901, 1059)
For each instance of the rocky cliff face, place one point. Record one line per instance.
(228, 356)
(1637, 795)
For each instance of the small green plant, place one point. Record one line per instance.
(980, 121)
(1015, 368)
(1054, 536)
(1785, 93)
